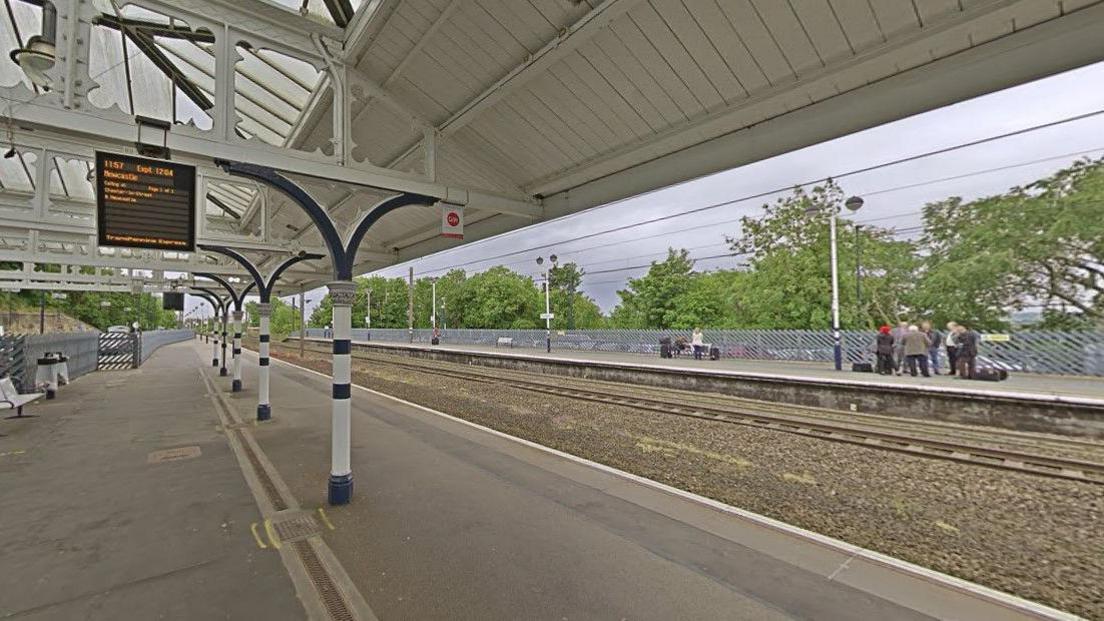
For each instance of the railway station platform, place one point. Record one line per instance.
(1028, 384)
(1064, 405)
(450, 520)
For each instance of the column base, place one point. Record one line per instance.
(214, 362)
(341, 489)
(222, 372)
(264, 411)
(235, 386)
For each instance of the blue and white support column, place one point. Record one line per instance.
(342, 293)
(236, 384)
(264, 409)
(222, 369)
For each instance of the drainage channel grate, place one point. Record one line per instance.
(327, 590)
(266, 481)
(295, 527)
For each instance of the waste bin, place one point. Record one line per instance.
(52, 366)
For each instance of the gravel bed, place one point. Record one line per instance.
(1035, 537)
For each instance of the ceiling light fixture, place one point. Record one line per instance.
(38, 58)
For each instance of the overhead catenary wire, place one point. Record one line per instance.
(772, 192)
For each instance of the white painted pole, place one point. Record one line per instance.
(264, 408)
(236, 384)
(340, 489)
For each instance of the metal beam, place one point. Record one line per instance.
(341, 11)
(95, 128)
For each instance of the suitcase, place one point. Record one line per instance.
(714, 353)
(862, 367)
(665, 350)
(991, 375)
(435, 341)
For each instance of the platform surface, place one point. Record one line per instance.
(94, 526)
(1025, 384)
(450, 521)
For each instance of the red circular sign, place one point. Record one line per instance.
(453, 218)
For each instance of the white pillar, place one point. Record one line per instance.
(340, 490)
(225, 318)
(236, 385)
(214, 346)
(264, 409)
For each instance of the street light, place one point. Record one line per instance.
(853, 204)
(547, 316)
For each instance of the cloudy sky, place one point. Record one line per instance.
(894, 195)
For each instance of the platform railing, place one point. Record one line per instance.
(1050, 352)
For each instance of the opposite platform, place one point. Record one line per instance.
(1065, 406)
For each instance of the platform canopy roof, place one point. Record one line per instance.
(519, 110)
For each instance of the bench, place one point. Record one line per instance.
(12, 400)
(505, 341)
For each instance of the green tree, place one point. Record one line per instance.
(788, 284)
(650, 301)
(566, 278)
(496, 298)
(1042, 243)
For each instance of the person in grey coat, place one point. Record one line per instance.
(917, 345)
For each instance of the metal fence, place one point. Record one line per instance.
(154, 339)
(82, 349)
(1060, 353)
(12, 358)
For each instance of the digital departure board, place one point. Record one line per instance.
(145, 203)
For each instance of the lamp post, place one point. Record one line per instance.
(547, 316)
(433, 309)
(853, 204)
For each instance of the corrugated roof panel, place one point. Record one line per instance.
(859, 23)
(657, 67)
(611, 56)
(824, 29)
(895, 16)
(790, 35)
(718, 31)
(704, 54)
(674, 53)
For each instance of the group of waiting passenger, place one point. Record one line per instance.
(917, 347)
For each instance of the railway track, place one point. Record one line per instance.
(771, 418)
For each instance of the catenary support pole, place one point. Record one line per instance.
(302, 324)
(410, 306)
(341, 472)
